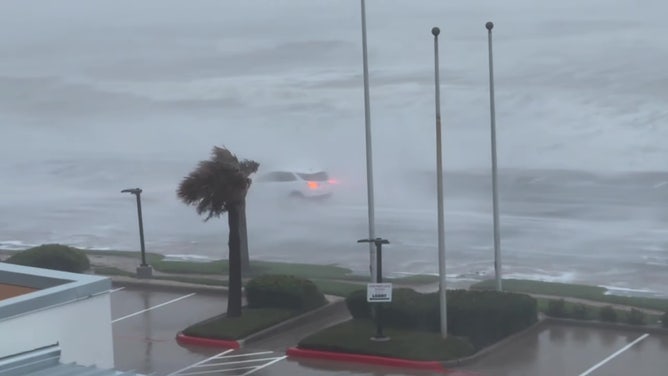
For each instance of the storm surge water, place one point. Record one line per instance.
(98, 97)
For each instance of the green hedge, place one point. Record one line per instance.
(482, 316)
(607, 314)
(283, 291)
(52, 256)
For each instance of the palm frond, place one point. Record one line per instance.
(217, 183)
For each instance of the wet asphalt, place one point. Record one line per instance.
(145, 342)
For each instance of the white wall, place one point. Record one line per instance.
(83, 329)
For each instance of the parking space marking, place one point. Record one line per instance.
(201, 361)
(231, 364)
(152, 308)
(265, 365)
(601, 363)
(118, 289)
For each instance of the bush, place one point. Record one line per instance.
(52, 256)
(580, 312)
(664, 320)
(635, 317)
(283, 291)
(556, 308)
(357, 305)
(482, 316)
(486, 317)
(608, 314)
(408, 309)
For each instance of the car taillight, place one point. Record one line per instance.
(312, 184)
(333, 181)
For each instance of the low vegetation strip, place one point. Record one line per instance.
(593, 293)
(251, 321)
(354, 337)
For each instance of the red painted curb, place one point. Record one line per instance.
(183, 339)
(368, 359)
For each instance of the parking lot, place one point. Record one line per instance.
(145, 324)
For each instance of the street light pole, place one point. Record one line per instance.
(495, 189)
(144, 270)
(378, 242)
(439, 187)
(369, 154)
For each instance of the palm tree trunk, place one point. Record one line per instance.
(245, 257)
(234, 281)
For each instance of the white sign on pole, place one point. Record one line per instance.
(378, 292)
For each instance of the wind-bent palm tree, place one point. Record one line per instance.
(217, 186)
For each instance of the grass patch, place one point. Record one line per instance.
(417, 279)
(353, 337)
(308, 271)
(194, 280)
(257, 268)
(592, 312)
(112, 271)
(251, 321)
(337, 288)
(593, 293)
(189, 267)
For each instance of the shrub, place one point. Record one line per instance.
(482, 316)
(357, 305)
(556, 308)
(52, 256)
(283, 291)
(635, 317)
(489, 316)
(408, 309)
(608, 314)
(580, 312)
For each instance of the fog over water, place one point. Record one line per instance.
(100, 96)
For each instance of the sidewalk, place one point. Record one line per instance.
(129, 265)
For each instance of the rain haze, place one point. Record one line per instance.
(98, 96)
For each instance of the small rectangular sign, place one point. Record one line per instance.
(378, 292)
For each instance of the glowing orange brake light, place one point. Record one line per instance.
(312, 184)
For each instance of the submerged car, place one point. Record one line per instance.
(295, 184)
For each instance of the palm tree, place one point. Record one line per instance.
(219, 185)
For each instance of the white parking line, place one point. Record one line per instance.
(245, 354)
(118, 289)
(264, 365)
(600, 364)
(152, 308)
(200, 362)
(218, 371)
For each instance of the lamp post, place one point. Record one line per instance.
(378, 242)
(495, 189)
(439, 187)
(369, 154)
(144, 270)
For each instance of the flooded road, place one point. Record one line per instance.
(145, 324)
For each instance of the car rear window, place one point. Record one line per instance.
(318, 176)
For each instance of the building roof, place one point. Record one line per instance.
(52, 287)
(45, 361)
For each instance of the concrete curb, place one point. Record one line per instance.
(485, 351)
(183, 339)
(334, 303)
(608, 325)
(296, 352)
(167, 285)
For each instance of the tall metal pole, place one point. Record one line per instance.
(369, 154)
(439, 186)
(141, 230)
(495, 188)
